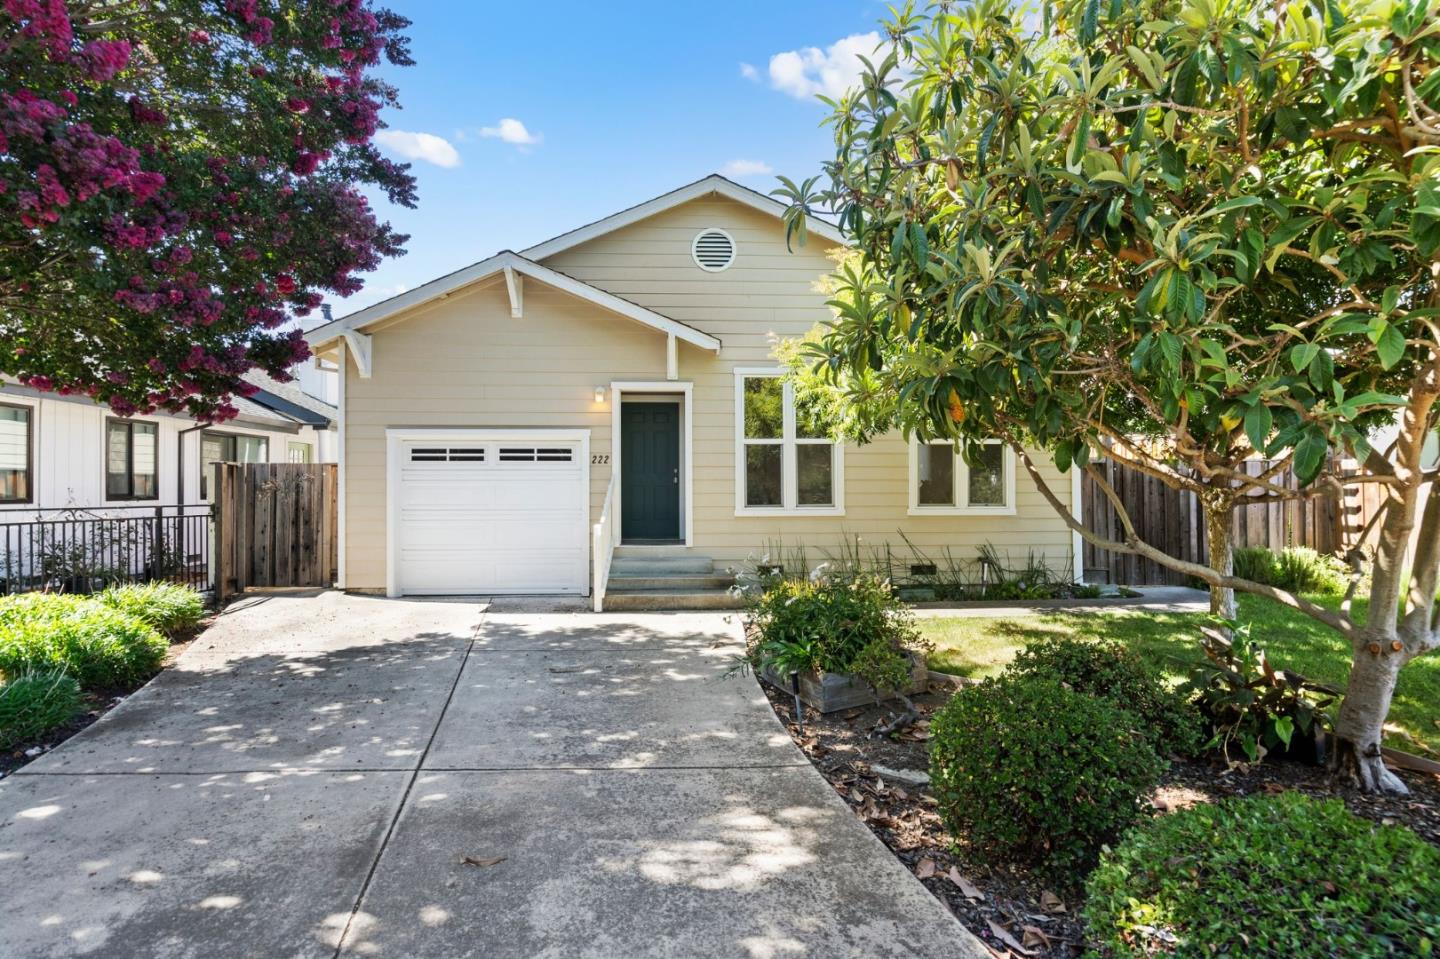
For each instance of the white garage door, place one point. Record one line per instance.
(477, 513)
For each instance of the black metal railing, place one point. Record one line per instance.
(76, 550)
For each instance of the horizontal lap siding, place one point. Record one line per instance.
(771, 292)
(465, 362)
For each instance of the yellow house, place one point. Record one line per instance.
(603, 414)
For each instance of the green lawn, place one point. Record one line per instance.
(981, 647)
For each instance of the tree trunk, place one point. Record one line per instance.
(1360, 723)
(1222, 559)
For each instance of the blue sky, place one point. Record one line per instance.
(622, 101)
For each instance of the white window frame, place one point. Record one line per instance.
(789, 465)
(962, 484)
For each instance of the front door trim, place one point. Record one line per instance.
(618, 388)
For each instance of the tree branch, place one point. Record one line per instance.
(1135, 545)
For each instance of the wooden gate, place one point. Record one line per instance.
(275, 525)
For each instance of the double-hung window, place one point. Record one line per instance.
(15, 444)
(132, 462)
(942, 482)
(785, 459)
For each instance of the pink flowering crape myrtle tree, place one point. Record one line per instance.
(177, 181)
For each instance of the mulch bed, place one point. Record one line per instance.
(1009, 908)
(97, 704)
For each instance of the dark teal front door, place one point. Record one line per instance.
(649, 472)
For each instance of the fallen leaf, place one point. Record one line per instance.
(473, 861)
(1051, 903)
(1003, 934)
(925, 868)
(967, 888)
(1035, 938)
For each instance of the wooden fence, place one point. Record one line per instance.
(275, 525)
(1172, 521)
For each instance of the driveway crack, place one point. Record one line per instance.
(409, 786)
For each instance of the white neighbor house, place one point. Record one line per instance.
(608, 401)
(67, 452)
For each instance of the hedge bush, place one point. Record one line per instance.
(1115, 672)
(1034, 771)
(834, 624)
(1267, 877)
(169, 607)
(33, 703)
(1298, 569)
(99, 646)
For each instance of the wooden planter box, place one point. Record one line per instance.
(830, 692)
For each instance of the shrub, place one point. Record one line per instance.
(1267, 876)
(33, 703)
(1298, 569)
(834, 624)
(1114, 672)
(169, 607)
(1302, 570)
(1255, 563)
(1034, 771)
(1250, 703)
(99, 646)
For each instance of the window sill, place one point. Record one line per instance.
(962, 511)
(799, 511)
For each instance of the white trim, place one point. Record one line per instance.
(672, 358)
(394, 436)
(350, 326)
(713, 184)
(618, 389)
(789, 459)
(695, 249)
(1077, 508)
(361, 345)
(962, 484)
(340, 469)
(514, 286)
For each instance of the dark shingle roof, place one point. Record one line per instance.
(289, 401)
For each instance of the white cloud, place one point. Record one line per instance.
(748, 71)
(810, 71)
(741, 168)
(511, 130)
(419, 146)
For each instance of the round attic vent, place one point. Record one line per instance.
(713, 250)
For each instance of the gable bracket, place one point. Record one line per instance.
(360, 345)
(514, 286)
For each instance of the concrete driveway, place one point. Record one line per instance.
(314, 774)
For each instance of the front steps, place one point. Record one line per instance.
(666, 578)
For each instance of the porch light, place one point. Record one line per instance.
(600, 392)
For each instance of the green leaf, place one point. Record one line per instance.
(1390, 346)
(1310, 454)
(1257, 425)
(1302, 353)
(1391, 299)
(1284, 727)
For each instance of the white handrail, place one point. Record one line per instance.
(605, 539)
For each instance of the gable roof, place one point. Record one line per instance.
(712, 184)
(507, 261)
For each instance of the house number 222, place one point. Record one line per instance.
(600, 459)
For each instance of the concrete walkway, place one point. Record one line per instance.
(1152, 599)
(336, 776)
